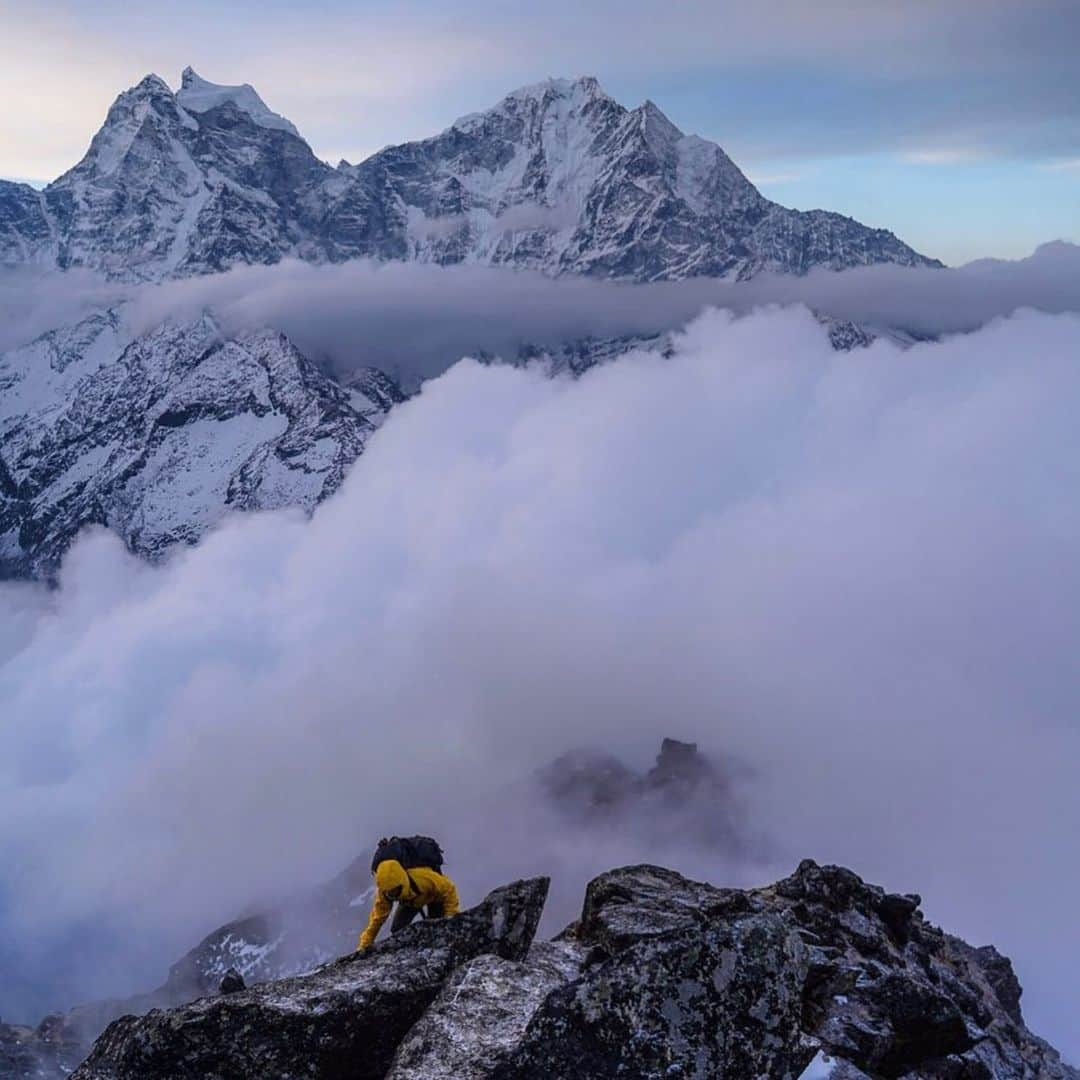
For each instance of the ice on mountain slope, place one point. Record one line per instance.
(557, 177)
(158, 438)
(196, 95)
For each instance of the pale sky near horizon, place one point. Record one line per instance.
(955, 124)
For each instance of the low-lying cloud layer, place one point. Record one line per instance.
(415, 320)
(855, 572)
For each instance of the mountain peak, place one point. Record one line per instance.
(655, 122)
(563, 95)
(149, 86)
(198, 95)
(584, 86)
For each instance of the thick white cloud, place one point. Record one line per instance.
(416, 319)
(855, 572)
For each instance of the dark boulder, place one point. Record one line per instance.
(712, 1001)
(232, 982)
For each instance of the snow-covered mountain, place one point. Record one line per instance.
(158, 437)
(557, 177)
(561, 178)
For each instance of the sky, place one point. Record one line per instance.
(953, 124)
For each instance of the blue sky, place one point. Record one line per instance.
(953, 122)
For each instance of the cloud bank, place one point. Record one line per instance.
(416, 320)
(855, 572)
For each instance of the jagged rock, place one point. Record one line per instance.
(232, 982)
(820, 976)
(682, 979)
(715, 1000)
(847, 981)
(893, 995)
(158, 438)
(345, 1019)
(481, 1014)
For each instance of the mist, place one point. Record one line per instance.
(856, 573)
(415, 320)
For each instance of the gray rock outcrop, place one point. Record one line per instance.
(818, 976)
(346, 1019)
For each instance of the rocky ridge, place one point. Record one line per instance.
(819, 975)
(159, 437)
(557, 177)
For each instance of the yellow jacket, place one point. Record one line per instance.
(416, 888)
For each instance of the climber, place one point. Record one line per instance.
(413, 890)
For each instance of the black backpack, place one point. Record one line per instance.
(410, 851)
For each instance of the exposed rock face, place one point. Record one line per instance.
(344, 1020)
(480, 1016)
(160, 437)
(894, 996)
(818, 976)
(710, 999)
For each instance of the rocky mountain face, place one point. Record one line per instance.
(158, 437)
(561, 178)
(557, 177)
(820, 975)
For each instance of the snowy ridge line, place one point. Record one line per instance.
(557, 177)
